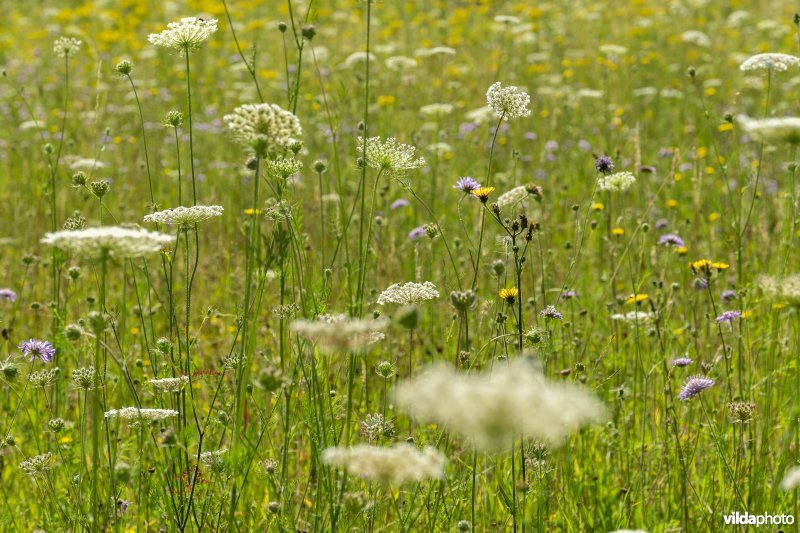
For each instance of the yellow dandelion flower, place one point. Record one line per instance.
(681, 250)
(719, 265)
(597, 206)
(672, 203)
(617, 232)
(509, 295)
(251, 211)
(636, 298)
(482, 193)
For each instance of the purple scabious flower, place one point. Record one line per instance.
(694, 386)
(729, 295)
(700, 284)
(551, 312)
(670, 239)
(604, 164)
(467, 184)
(400, 202)
(682, 361)
(662, 223)
(551, 146)
(33, 348)
(8, 295)
(728, 316)
(567, 295)
(416, 233)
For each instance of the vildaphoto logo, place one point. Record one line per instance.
(747, 519)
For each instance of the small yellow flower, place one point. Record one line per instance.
(727, 126)
(779, 305)
(713, 217)
(386, 101)
(746, 314)
(636, 298)
(250, 211)
(617, 232)
(672, 203)
(681, 250)
(719, 265)
(597, 206)
(482, 193)
(509, 295)
(703, 265)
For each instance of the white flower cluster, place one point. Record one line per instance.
(512, 197)
(168, 384)
(494, 408)
(66, 46)
(283, 167)
(786, 288)
(341, 333)
(112, 240)
(213, 461)
(791, 478)
(400, 63)
(185, 216)
(635, 317)
(267, 125)
(619, 181)
(772, 130)
(408, 293)
(770, 61)
(398, 464)
(184, 36)
(38, 464)
(389, 155)
(136, 416)
(508, 102)
(436, 110)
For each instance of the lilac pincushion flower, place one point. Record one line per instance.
(729, 295)
(33, 348)
(670, 239)
(728, 316)
(416, 233)
(694, 386)
(8, 295)
(662, 223)
(400, 202)
(604, 164)
(682, 361)
(567, 295)
(551, 312)
(467, 184)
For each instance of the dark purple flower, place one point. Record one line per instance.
(551, 312)
(682, 361)
(694, 386)
(604, 164)
(400, 202)
(729, 295)
(467, 184)
(416, 233)
(670, 239)
(728, 316)
(8, 295)
(33, 348)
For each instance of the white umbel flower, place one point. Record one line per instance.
(186, 35)
(772, 130)
(389, 155)
(38, 464)
(791, 479)
(398, 464)
(408, 293)
(512, 197)
(136, 416)
(400, 63)
(108, 240)
(66, 46)
(341, 333)
(785, 289)
(619, 181)
(494, 408)
(184, 216)
(508, 102)
(264, 125)
(168, 384)
(770, 61)
(633, 318)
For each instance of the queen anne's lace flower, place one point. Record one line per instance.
(283, 167)
(340, 333)
(508, 102)
(187, 35)
(183, 216)
(772, 130)
(112, 240)
(38, 464)
(398, 464)
(770, 61)
(66, 46)
(512, 197)
(408, 293)
(786, 288)
(635, 318)
(168, 384)
(136, 416)
(620, 181)
(389, 155)
(264, 125)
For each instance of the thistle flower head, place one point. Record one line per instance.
(66, 46)
(770, 61)
(390, 155)
(620, 181)
(33, 348)
(185, 216)
(111, 240)
(264, 127)
(694, 386)
(398, 464)
(408, 293)
(508, 102)
(184, 36)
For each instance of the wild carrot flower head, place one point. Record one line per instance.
(508, 102)
(136, 416)
(38, 464)
(621, 181)
(513, 196)
(111, 240)
(33, 348)
(694, 386)
(467, 184)
(390, 155)
(774, 130)
(186, 35)
(398, 464)
(770, 61)
(785, 288)
(168, 384)
(337, 333)
(66, 46)
(791, 479)
(184, 216)
(264, 127)
(408, 293)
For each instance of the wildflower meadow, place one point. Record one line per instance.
(360, 265)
